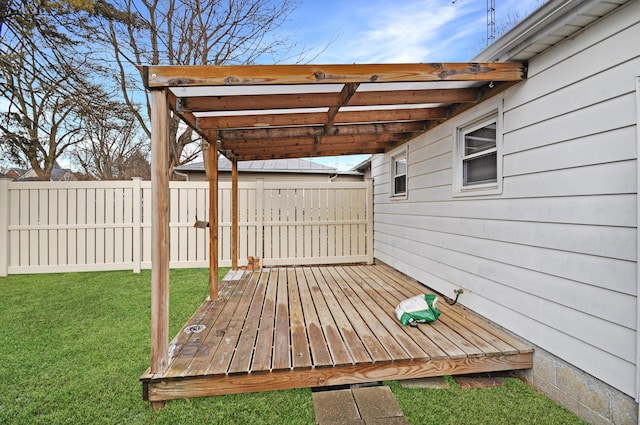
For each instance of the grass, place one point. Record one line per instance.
(74, 345)
(513, 403)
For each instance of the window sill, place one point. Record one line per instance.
(478, 190)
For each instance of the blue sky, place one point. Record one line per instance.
(395, 31)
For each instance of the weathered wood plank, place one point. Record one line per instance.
(323, 100)
(185, 76)
(337, 347)
(159, 232)
(383, 313)
(317, 344)
(382, 293)
(452, 350)
(301, 357)
(501, 340)
(355, 296)
(227, 348)
(369, 340)
(214, 333)
(264, 343)
(360, 302)
(343, 322)
(281, 341)
(241, 361)
(202, 386)
(184, 345)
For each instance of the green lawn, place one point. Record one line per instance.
(74, 345)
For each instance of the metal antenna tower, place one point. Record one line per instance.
(491, 20)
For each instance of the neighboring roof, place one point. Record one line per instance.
(289, 165)
(299, 111)
(362, 166)
(551, 23)
(12, 173)
(57, 174)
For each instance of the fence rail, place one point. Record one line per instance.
(88, 226)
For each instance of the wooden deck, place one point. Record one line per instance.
(316, 326)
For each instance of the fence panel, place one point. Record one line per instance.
(84, 226)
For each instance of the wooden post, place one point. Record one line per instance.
(212, 160)
(370, 259)
(234, 213)
(159, 233)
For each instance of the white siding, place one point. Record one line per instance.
(552, 258)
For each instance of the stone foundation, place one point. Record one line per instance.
(586, 396)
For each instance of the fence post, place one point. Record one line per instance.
(370, 221)
(260, 218)
(137, 224)
(4, 226)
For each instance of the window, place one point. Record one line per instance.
(477, 157)
(480, 154)
(399, 168)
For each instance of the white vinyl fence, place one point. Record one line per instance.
(88, 226)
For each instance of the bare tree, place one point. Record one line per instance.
(45, 80)
(186, 32)
(112, 147)
(42, 119)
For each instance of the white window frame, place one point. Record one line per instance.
(395, 156)
(463, 128)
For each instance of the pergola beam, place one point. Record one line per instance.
(319, 118)
(324, 100)
(287, 142)
(303, 151)
(313, 131)
(186, 76)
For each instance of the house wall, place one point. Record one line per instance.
(553, 257)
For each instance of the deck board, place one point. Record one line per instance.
(241, 362)
(317, 345)
(315, 326)
(337, 347)
(301, 356)
(355, 346)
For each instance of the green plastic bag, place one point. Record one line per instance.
(419, 309)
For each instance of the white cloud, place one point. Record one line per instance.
(377, 31)
(384, 32)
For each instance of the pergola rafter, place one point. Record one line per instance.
(260, 103)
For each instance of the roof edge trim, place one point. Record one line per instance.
(543, 21)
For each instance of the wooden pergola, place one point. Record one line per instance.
(293, 111)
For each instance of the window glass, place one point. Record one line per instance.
(399, 175)
(480, 161)
(480, 170)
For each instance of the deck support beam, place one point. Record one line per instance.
(203, 386)
(159, 232)
(234, 213)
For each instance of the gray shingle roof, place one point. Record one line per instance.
(295, 165)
